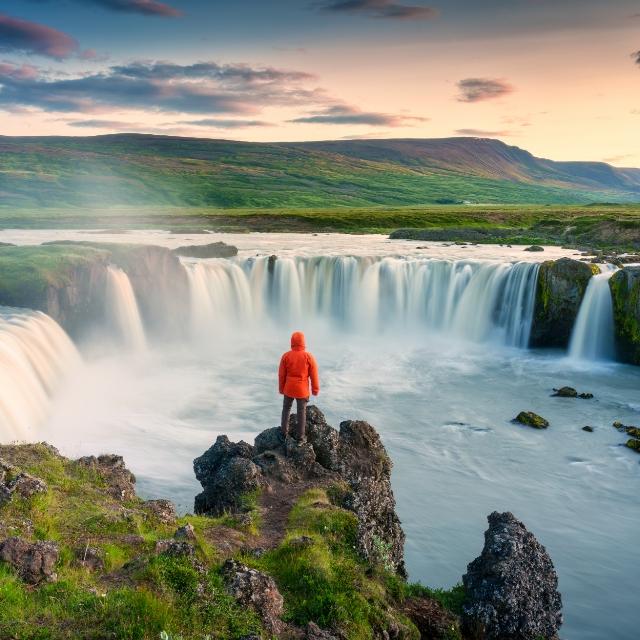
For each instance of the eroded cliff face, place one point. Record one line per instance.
(560, 290)
(68, 281)
(625, 293)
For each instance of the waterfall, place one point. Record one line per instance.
(124, 310)
(35, 355)
(593, 334)
(471, 300)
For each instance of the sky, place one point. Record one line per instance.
(560, 78)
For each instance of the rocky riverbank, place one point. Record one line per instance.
(291, 541)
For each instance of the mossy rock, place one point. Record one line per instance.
(531, 419)
(633, 444)
(559, 293)
(625, 293)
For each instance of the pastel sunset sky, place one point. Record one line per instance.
(560, 78)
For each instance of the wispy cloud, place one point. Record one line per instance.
(483, 133)
(379, 9)
(22, 36)
(480, 89)
(142, 7)
(619, 159)
(344, 114)
(220, 123)
(105, 124)
(203, 88)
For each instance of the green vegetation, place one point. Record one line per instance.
(159, 171)
(141, 594)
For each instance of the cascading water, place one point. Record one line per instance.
(35, 355)
(124, 309)
(471, 300)
(593, 333)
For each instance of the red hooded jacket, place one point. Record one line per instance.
(297, 367)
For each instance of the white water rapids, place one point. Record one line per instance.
(424, 344)
(468, 300)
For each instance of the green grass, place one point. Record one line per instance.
(162, 171)
(141, 595)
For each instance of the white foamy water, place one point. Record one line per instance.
(593, 334)
(426, 345)
(123, 308)
(35, 357)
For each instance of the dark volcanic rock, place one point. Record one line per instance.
(175, 548)
(633, 444)
(588, 429)
(213, 250)
(162, 509)
(90, 558)
(354, 456)
(256, 590)
(534, 248)
(34, 562)
(226, 473)
(625, 292)
(366, 467)
(531, 419)
(120, 480)
(431, 618)
(560, 290)
(565, 392)
(13, 481)
(314, 632)
(512, 587)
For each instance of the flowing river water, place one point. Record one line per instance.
(427, 344)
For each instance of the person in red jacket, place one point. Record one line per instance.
(297, 369)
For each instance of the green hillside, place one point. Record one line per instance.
(133, 170)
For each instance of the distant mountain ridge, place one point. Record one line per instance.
(137, 169)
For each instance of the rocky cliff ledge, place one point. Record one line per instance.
(302, 541)
(560, 290)
(625, 293)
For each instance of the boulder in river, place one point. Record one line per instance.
(633, 444)
(588, 429)
(625, 294)
(565, 392)
(213, 250)
(534, 248)
(559, 293)
(531, 419)
(512, 587)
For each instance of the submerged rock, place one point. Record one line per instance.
(588, 429)
(585, 396)
(559, 293)
(512, 587)
(633, 444)
(354, 456)
(213, 250)
(34, 562)
(634, 432)
(256, 590)
(625, 294)
(531, 419)
(565, 392)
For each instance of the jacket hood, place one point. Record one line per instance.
(297, 341)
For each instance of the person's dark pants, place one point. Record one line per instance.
(301, 406)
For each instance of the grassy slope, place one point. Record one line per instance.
(163, 171)
(140, 594)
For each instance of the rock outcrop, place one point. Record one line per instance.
(213, 250)
(257, 591)
(560, 290)
(13, 481)
(119, 479)
(625, 293)
(34, 561)
(512, 587)
(353, 457)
